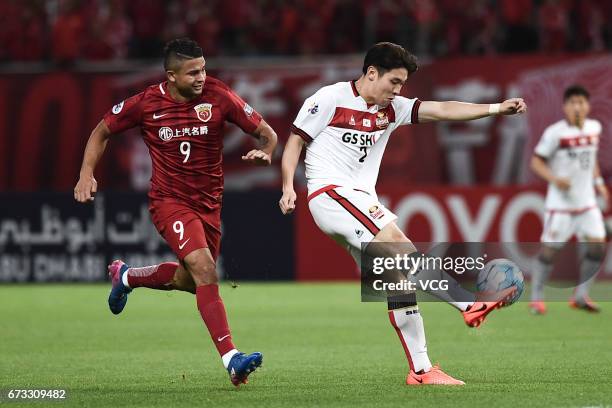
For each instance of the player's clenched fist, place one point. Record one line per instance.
(85, 189)
(513, 106)
(562, 183)
(258, 158)
(287, 202)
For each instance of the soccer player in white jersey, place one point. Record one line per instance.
(566, 157)
(345, 128)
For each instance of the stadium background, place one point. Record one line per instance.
(65, 63)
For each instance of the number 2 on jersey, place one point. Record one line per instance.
(585, 160)
(185, 149)
(365, 154)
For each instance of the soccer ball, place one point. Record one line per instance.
(500, 274)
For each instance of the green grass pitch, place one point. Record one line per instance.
(321, 345)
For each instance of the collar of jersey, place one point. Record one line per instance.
(357, 95)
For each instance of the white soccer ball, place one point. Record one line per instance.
(500, 274)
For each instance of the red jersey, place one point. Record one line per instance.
(185, 139)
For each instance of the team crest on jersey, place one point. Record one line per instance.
(376, 212)
(118, 107)
(314, 108)
(352, 121)
(204, 111)
(382, 120)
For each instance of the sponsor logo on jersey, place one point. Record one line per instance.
(367, 123)
(166, 133)
(382, 120)
(359, 233)
(376, 212)
(248, 109)
(118, 107)
(204, 111)
(578, 141)
(181, 246)
(314, 108)
(360, 139)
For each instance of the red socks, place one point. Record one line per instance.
(212, 310)
(209, 302)
(154, 277)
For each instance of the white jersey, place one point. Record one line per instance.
(571, 153)
(346, 137)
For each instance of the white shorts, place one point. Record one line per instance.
(560, 226)
(350, 217)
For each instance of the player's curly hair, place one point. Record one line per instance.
(575, 90)
(179, 50)
(386, 56)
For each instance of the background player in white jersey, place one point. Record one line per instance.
(345, 128)
(566, 157)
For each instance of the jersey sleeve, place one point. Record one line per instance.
(126, 114)
(598, 127)
(547, 144)
(314, 116)
(406, 110)
(241, 113)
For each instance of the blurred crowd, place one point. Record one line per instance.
(64, 31)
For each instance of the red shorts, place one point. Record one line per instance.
(186, 229)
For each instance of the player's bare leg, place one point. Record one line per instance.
(405, 317)
(201, 266)
(165, 276)
(183, 281)
(589, 267)
(541, 271)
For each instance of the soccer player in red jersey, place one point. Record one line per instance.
(181, 122)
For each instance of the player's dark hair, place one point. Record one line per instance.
(179, 50)
(386, 56)
(575, 90)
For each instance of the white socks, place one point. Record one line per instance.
(228, 356)
(541, 272)
(408, 324)
(124, 279)
(463, 306)
(454, 295)
(588, 273)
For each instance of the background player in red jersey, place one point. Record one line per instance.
(181, 122)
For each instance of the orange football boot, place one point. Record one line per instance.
(585, 304)
(485, 303)
(537, 307)
(435, 376)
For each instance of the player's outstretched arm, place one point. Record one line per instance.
(87, 186)
(267, 143)
(430, 111)
(541, 168)
(291, 157)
